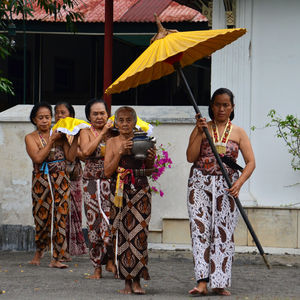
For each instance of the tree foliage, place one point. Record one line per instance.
(288, 129)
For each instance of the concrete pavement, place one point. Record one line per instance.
(171, 277)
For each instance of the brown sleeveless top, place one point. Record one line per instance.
(207, 162)
(94, 164)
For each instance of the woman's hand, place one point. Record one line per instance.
(125, 146)
(107, 126)
(151, 153)
(200, 123)
(55, 136)
(235, 189)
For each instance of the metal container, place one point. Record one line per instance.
(141, 144)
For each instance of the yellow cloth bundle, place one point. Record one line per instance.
(118, 200)
(70, 126)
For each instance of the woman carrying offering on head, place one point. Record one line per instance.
(75, 238)
(131, 197)
(212, 210)
(96, 187)
(50, 185)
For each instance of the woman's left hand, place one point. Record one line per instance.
(151, 154)
(235, 189)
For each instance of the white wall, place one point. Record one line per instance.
(262, 69)
(275, 84)
(16, 167)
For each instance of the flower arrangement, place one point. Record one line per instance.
(161, 163)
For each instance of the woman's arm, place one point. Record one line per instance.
(111, 158)
(36, 154)
(113, 152)
(248, 155)
(87, 145)
(71, 151)
(150, 158)
(193, 149)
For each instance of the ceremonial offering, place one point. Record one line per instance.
(141, 144)
(70, 126)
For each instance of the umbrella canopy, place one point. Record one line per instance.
(189, 45)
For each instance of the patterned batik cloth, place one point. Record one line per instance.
(42, 206)
(213, 217)
(96, 192)
(130, 223)
(75, 238)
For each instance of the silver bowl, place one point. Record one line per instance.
(141, 144)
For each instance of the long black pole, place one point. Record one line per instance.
(178, 68)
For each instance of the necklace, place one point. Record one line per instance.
(220, 143)
(42, 139)
(94, 131)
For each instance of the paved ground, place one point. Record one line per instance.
(171, 272)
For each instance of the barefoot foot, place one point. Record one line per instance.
(128, 287)
(37, 258)
(66, 259)
(97, 274)
(57, 264)
(136, 287)
(221, 292)
(110, 267)
(197, 291)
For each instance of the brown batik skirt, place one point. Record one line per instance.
(130, 229)
(43, 208)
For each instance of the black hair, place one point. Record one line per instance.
(218, 92)
(89, 105)
(35, 109)
(69, 107)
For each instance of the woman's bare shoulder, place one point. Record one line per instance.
(112, 140)
(239, 131)
(31, 135)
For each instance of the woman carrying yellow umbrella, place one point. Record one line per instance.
(212, 210)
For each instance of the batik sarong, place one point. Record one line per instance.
(42, 212)
(130, 223)
(213, 217)
(96, 192)
(75, 238)
(98, 226)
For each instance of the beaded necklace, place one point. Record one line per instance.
(220, 143)
(94, 131)
(42, 140)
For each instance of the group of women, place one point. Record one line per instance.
(117, 196)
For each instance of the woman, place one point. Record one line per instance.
(75, 238)
(50, 184)
(131, 195)
(211, 206)
(96, 188)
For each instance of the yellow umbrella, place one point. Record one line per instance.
(189, 46)
(172, 51)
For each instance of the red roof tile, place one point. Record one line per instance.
(127, 11)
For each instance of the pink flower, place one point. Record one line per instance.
(162, 161)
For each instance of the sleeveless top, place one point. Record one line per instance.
(94, 164)
(57, 154)
(207, 162)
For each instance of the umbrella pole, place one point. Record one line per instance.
(178, 68)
